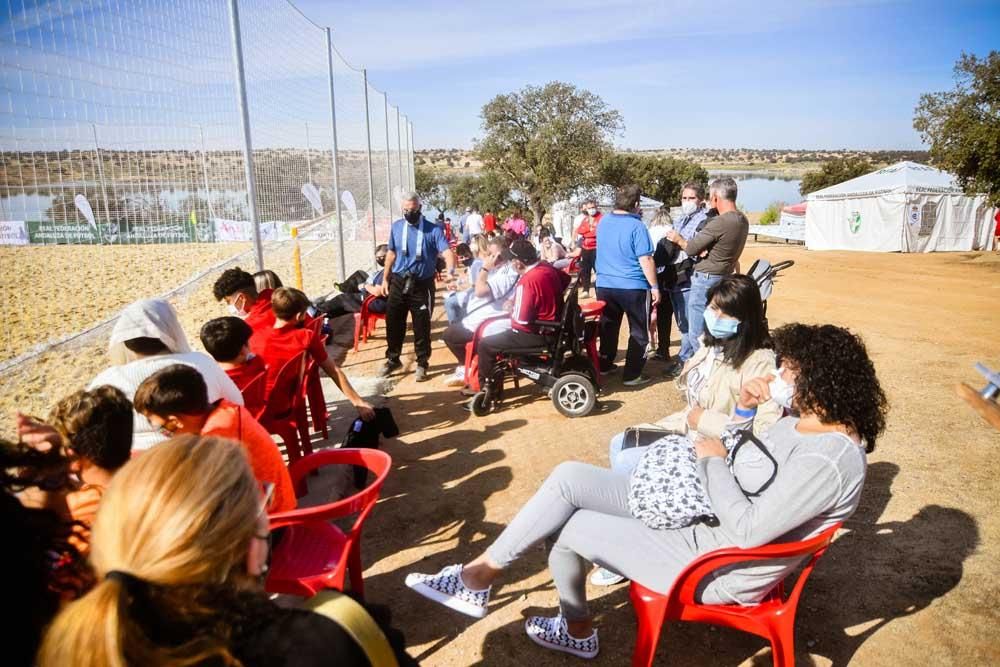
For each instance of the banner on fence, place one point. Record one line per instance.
(242, 230)
(13, 232)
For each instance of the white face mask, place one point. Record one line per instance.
(782, 392)
(591, 211)
(689, 207)
(235, 311)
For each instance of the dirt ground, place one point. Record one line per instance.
(910, 581)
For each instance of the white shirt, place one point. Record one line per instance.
(128, 377)
(501, 282)
(474, 224)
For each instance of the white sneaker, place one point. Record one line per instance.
(446, 588)
(552, 633)
(456, 379)
(602, 576)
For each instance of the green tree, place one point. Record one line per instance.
(834, 171)
(659, 177)
(546, 141)
(962, 125)
(433, 187)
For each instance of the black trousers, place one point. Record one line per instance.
(588, 259)
(342, 304)
(619, 303)
(491, 346)
(664, 313)
(455, 337)
(418, 302)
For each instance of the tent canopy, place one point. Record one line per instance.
(908, 177)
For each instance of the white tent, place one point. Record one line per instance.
(906, 207)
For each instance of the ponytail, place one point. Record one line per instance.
(88, 632)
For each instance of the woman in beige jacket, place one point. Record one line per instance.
(735, 348)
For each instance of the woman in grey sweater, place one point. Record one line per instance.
(809, 478)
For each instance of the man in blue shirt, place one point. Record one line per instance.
(626, 283)
(410, 270)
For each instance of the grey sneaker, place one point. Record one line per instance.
(637, 381)
(602, 576)
(421, 374)
(389, 367)
(552, 633)
(446, 588)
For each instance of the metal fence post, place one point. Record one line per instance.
(399, 154)
(371, 181)
(336, 169)
(388, 170)
(409, 136)
(208, 193)
(104, 189)
(241, 83)
(309, 168)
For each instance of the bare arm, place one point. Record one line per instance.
(649, 270)
(449, 259)
(339, 379)
(390, 259)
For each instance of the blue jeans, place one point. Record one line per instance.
(679, 298)
(697, 302)
(453, 308)
(623, 461)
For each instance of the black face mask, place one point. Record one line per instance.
(412, 216)
(380, 261)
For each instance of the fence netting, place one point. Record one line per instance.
(123, 171)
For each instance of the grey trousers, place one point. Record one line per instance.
(585, 509)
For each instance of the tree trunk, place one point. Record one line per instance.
(537, 211)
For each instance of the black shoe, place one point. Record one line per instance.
(608, 367)
(673, 369)
(421, 374)
(390, 366)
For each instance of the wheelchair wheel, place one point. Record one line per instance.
(574, 395)
(482, 404)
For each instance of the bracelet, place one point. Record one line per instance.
(746, 414)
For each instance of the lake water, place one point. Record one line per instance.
(758, 189)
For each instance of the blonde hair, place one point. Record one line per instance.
(482, 245)
(181, 514)
(288, 302)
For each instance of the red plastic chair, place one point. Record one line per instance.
(314, 554)
(315, 396)
(592, 311)
(573, 267)
(284, 410)
(773, 618)
(254, 391)
(365, 321)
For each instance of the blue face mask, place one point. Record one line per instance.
(718, 327)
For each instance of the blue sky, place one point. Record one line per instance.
(806, 74)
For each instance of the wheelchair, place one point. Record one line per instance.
(566, 365)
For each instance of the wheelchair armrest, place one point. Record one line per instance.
(546, 324)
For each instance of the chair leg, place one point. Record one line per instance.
(650, 614)
(357, 330)
(783, 640)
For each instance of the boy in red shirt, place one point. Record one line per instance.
(175, 400)
(227, 339)
(239, 290)
(288, 338)
(538, 297)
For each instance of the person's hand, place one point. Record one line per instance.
(672, 235)
(383, 289)
(693, 415)
(36, 434)
(508, 306)
(754, 392)
(707, 447)
(365, 410)
(655, 292)
(490, 261)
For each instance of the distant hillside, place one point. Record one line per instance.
(785, 161)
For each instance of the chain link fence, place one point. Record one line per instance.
(145, 146)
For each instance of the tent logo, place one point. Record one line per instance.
(854, 222)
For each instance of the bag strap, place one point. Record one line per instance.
(498, 299)
(356, 622)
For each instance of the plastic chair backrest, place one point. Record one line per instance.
(686, 585)
(360, 503)
(254, 391)
(287, 387)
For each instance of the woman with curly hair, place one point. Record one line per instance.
(803, 475)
